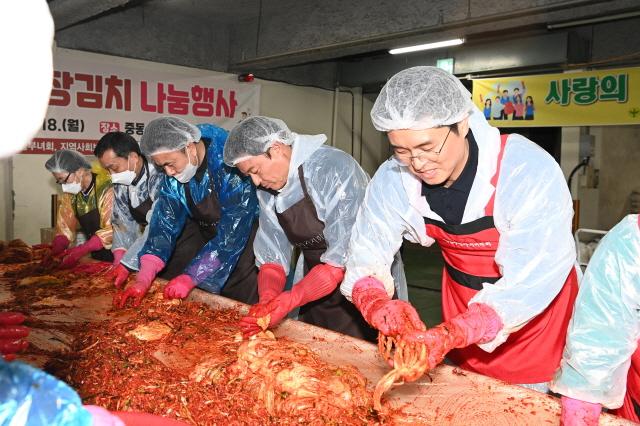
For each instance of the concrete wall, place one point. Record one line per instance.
(6, 208)
(614, 173)
(619, 173)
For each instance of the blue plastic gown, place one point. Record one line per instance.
(29, 396)
(605, 327)
(237, 197)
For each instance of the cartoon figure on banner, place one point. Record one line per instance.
(487, 107)
(528, 108)
(501, 105)
(518, 107)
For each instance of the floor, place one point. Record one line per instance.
(423, 268)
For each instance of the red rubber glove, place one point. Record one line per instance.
(59, 244)
(478, 324)
(75, 254)
(390, 317)
(120, 275)
(12, 334)
(179, 287)
(117, 255)
(320, 281)
(271, 281)
(150, 265)
(579, 413)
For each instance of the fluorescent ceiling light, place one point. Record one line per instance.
(436, 45)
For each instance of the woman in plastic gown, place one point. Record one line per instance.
(499, 208)
(309, 195)
(601, 362)
(86, 205)
(205, 207)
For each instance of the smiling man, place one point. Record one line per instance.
(498, 207)
(203, 206)
(309, 195)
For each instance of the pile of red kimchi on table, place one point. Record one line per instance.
(177, 359)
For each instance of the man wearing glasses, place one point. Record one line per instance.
(87, 203)
(500, 210)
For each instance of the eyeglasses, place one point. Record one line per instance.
(423, 155)
(59, 182)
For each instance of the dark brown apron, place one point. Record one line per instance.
(140, 213)
(304, 230)
(242, 284)
(90, 224)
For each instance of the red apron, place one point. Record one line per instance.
(531, 354)
(632, 398)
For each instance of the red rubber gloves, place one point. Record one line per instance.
(120, 275)
(271, 282)
(12, 334)
(118, 272)
(478, 324)
(390, 317)
(150, 265)
(320, 281)
(59, 244)
(75, 254)
(579, 413)
(117, 255)
(179, 287)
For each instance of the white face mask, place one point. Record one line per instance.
(71, 188)
(124, 178)
(188, 172)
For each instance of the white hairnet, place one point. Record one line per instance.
(167, 134)
(66, 161)
(421, 98)
(254, 136)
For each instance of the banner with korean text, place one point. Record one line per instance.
(592, 98)
(96, 94)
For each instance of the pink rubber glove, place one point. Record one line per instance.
(75, 254)
(478, 324)
(320, 281)
(12, 334)
(102, 416)
(59, 244)
(117, 255)
(579, 413)
(150, 265)
(271, 281)
(120, 275)
(390, 317)
(179, 287)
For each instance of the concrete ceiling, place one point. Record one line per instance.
(330, 42)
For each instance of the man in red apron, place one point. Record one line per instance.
(309, 195)
(499, 208)
(601, 362)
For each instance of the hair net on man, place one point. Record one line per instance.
(421, 98)
(254, 136)
(168, 134)
(66, 161)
